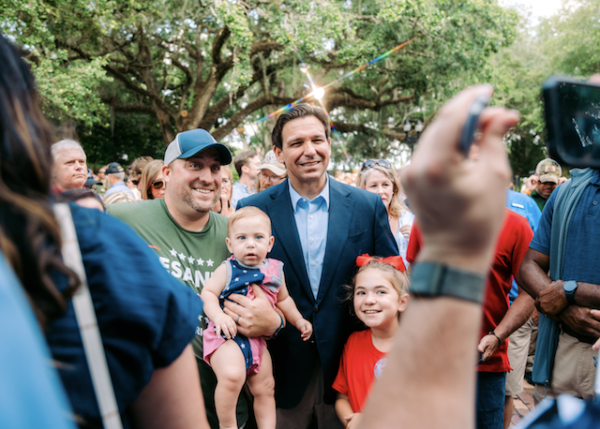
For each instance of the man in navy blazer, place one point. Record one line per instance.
(320, 227)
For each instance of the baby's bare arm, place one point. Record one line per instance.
(210, 295)
(287, 305)
(211, 291)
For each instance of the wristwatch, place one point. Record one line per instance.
(570, 287)
(430, 279)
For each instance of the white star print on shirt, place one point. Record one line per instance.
(191, 260)
(181, 256)
(200, 261)
(210, 262)
(173, 252)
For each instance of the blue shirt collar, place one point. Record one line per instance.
(295, 196)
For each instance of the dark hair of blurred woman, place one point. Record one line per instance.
(29, 234)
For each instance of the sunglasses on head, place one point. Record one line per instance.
(373, 162)
(158, 184)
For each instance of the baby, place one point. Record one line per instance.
(232, 356)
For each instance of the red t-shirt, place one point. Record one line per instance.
(361, 363)
(513, 243)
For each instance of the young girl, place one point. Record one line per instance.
(379, 295)
(232, 356)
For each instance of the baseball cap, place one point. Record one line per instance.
(548, 170)
(114, 168)
(270, 163)
(91, 181)
(189, 143)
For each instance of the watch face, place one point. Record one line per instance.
(570, 286)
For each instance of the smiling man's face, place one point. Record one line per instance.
(194, 183)
(305, 150)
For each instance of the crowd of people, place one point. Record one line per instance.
(280, 300)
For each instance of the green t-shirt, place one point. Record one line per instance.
(541, 202)
(189, 256)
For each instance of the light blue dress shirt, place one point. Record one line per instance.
(118, 187)
(312, 220)
(239, 192)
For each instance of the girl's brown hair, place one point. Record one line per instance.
(397, 278)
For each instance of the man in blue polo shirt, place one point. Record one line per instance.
(566, 244)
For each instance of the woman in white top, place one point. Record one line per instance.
(378, 176)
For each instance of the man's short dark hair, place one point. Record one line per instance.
(299, 111)
(242, 159)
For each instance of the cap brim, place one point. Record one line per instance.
(274, 169)
(549, 178)
(222, 150)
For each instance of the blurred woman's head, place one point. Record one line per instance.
(29, 234)
(378, 176)
(82, 197)
(152, 183)
(226, 184)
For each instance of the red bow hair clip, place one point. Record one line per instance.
(394, 261)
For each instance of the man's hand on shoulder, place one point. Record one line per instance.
(256, 316)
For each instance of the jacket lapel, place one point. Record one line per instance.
(284, 225)
(340, 215)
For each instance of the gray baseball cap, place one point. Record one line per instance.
(189, 143)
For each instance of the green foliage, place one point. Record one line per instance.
(71, 92)
(220, 64)
(132, 135)
(561, 44)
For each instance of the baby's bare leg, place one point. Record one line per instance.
(262, 387)
(228, 363)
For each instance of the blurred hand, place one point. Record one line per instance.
(405, 230)
(352, 420)
(531, 182)
(459, 203)
(596, 315)
(488, 345)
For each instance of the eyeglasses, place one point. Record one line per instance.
(225, 181)
(158, 184)
(270, 178)
(373, 162)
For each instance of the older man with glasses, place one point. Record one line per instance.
(270, 172)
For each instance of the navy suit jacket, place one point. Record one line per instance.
(358, 224)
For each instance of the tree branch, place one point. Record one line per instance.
(265, 47)
(343, 127)
(345, 97)
(239, 117)
(218, 44)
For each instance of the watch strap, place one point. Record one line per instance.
(430, 279)
(280, 326)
